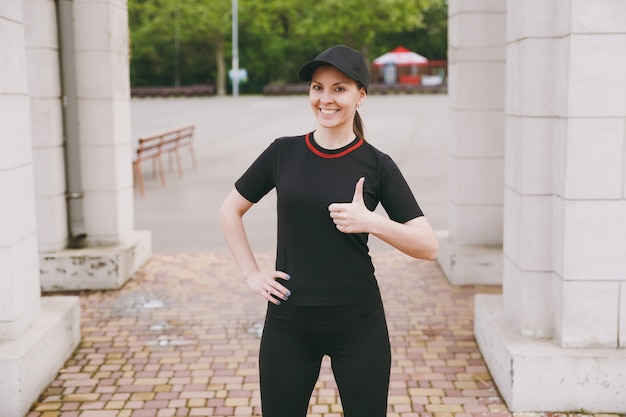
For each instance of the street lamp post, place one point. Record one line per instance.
(177, 47)
(235, 71)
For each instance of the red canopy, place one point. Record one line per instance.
(401, 57)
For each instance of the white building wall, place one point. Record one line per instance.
(471, 251)
(554, 341)
(102, 42)
(114, 250)
(19, 275)
(37, 334)
(42, 49)
(591, 267)
(566, 114)
(537, 92)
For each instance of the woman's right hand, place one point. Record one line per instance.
(267, 286)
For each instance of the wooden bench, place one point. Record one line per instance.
(374, 88)
(182, 91)
(285, 89)
(153, 147)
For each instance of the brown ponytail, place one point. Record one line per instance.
(357, 126)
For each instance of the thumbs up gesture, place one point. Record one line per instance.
(351, 217)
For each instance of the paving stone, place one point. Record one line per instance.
(182, 339)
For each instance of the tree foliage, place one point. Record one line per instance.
(185, 42)
(429, 39)
(350, 23)
(178, 41)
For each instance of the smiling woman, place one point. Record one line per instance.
(334, 100)
(338, 70)
(323, 297)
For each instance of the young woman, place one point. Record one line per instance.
(323, 298)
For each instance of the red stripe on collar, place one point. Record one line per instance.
(331, 155)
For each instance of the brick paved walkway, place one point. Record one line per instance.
(181, 339)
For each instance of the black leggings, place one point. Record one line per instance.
(296, 338)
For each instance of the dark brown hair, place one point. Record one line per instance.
(357, 126)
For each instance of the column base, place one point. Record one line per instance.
(538, 376)
(102, 268)
(469, 265)
(30, 362)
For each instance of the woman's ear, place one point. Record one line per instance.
(362, 95)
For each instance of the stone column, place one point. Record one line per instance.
(36, 335)
(554, 341)
(103, 83)
(114, 251)
(42, 50)
(19, 304)
(471, 251)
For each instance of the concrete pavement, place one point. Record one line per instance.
(231, 132)
(182, 338)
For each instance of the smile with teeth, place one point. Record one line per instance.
(329, 111)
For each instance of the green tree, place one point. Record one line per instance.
(279, 35)
(188, 41)
(171, 37)
(208, 20)
(429, 40)
(352, 23)
(151, 45)
(270, 44)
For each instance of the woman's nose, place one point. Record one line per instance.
(326, 97)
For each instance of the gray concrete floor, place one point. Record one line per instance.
(232, 131)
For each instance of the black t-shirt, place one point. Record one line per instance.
(327, 267)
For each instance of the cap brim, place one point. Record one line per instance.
(307, 70)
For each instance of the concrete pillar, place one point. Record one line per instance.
(102, 67)
(42, 52)
(115, 251)
(36, 335)
(471, 251)
(554, 341)
(19, 304)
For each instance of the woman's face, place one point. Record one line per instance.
(334, 97)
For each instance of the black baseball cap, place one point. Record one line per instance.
(344, 58)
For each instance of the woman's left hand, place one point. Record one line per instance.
(351, 217)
